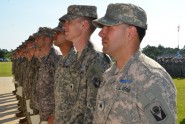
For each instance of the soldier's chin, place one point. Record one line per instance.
(104, 50)
(68, 39)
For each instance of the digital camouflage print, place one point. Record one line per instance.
(45, 84)
(76, 85)
(75, 11)
(33, 95)
(119, 13)
(140, 93)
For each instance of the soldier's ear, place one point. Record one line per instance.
(132, 32)
(85, 23)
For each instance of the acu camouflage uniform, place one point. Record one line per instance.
(45, 85)
(142, 91)
(26, 84)
(76, 85)
(28, 70)
(22, 82)
(18, 70)
(130, 95)
(32, 75)
(33, 96)
(15, 65)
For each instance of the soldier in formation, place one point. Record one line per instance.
(77, 84)
(136, 89)
(81, 70)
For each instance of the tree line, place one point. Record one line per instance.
(5, 54)
(154, 52)
(151, 51)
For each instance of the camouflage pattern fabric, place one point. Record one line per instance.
(22, 80)
(75, 11)
(46, 31)
(119, 13)
(45, 85)
(118, 99)
(16, 68)
(22, 71)
(17, 75)
(76, 86)
(26, 84)
(33, 94)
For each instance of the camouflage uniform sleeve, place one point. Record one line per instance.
(46, 91)
(94, 77)
(158, 101)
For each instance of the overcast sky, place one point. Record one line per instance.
(21, 18)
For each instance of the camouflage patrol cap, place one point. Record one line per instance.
(46, 31)
(59, 27)
(30, 39)
(39, 32)
(75, 11)
(123, 13)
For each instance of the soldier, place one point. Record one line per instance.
(136, 89)
(82, 68)
(29, 55)
(14, 61)
(45, 84)
(65, 46)
(35, 65)
(21, 78)
(60, 41)
(26, 84)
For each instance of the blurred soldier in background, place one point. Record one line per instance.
(174, 66)
(45, 85)
(29, 43)
(65, 46)
(21, 77)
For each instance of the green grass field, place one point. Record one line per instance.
(6, 71)
(180, 85)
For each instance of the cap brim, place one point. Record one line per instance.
(30, 40)
(68, 17)
(37, 34)
(105, 21)
(58, 29)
